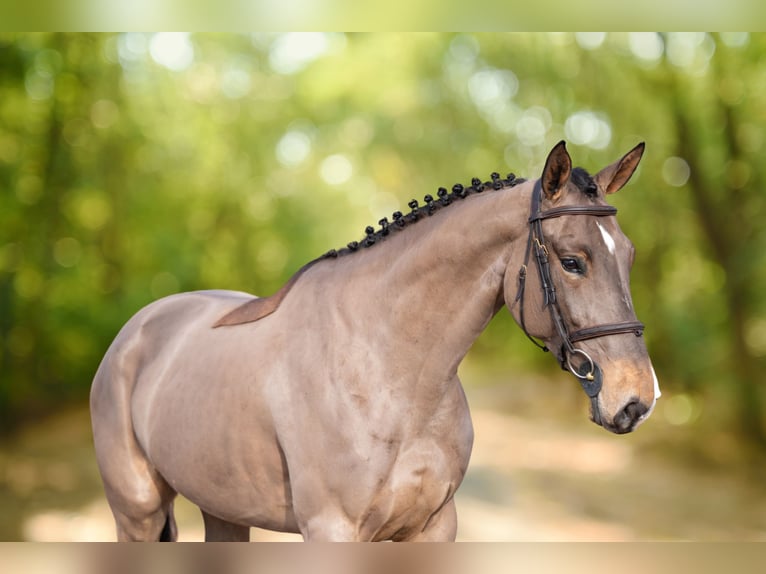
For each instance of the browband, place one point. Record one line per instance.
(598, 210)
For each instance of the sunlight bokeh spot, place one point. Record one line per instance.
(174, 50)
(464, 48)
(490, 87)
(131, 48)
(646, 46)
(588, 128)
(755, 336)
(533, 126)
(590, 40)
(294, 51)
(675, 171)
(336, 169)
(38, 87)
(236, 83)
(92, 210)
(40, 81)
(293, 148)
(104, 114)
(690, 50)
(67, 251)
(679, 409)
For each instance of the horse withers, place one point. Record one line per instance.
(333, 408)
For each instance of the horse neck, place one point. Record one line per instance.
(429, 291)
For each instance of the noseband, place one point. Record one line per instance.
(588, 373)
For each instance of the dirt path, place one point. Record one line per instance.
(531, 478)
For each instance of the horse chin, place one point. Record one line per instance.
(614, 429)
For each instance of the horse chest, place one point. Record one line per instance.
(380, 484)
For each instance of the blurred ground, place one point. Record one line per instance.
(543, 472)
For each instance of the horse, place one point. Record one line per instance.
(333, 408)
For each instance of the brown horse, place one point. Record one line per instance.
(333, 407)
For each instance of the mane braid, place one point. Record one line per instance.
(418, 211)
(258, 308)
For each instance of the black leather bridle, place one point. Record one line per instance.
(588, 373)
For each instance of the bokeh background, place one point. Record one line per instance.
(137, 165)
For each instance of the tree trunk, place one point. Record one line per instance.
(723, 230)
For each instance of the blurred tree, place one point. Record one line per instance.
(718, 117)
(137, 165)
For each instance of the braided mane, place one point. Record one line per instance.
(431, 205)
(257, 308)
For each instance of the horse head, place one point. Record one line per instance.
(573, 288)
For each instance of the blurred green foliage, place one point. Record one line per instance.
(137, 165)
(481, 15)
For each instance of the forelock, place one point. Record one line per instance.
(584, 182)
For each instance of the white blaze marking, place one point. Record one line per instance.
(608, 239)
(657, 392)
(657, 395)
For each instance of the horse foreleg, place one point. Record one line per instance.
(218, 530)
(330, 526)
(441, 526)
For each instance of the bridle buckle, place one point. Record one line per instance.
(541, 247)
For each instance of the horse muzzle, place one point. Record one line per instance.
(628, 415)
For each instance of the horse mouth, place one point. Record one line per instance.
(626, 420)
(615, 429)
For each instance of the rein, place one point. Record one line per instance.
(588, 373)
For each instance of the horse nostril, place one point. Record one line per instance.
(627, 418)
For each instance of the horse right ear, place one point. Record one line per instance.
(613, 177)
(558, 168)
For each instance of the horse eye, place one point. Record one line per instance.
(572, 265)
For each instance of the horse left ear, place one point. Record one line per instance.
(613, 177)
(558, 168)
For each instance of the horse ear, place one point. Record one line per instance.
(558, 168)
(613, 177)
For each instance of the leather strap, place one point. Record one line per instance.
(635, 327)
(597, 210)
